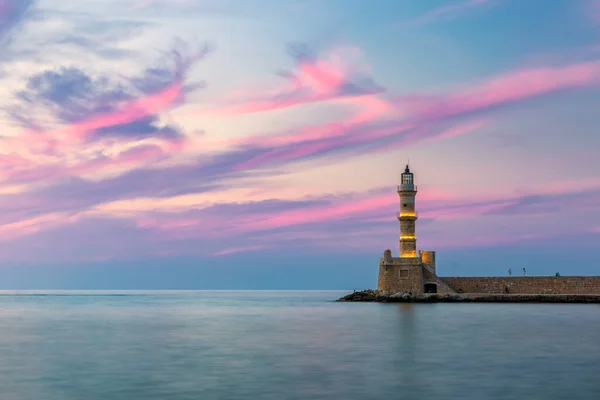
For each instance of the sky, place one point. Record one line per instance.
(257, 144)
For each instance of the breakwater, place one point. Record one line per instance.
(379, 297)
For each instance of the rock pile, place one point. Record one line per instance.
(380, 297)
(370, 295)
(364, 295)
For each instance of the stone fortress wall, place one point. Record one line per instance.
(398, 275)
(521, 285)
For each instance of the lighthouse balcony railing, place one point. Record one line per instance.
(399, 188)
(408, 214)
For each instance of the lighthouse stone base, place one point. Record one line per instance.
(398, 275)
(414, 275)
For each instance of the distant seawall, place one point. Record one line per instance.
(524, 284)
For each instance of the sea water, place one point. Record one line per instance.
(290, 345)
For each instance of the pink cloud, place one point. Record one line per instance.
(15, 168)
(425, 132)
(452, 208)
(314, 80)
(358, 207)
(421, 118)
(460, 129)
(135, 157)
(312, 214)
(24, 227)
(278, 155)
(181, 227)
(129, 112)
(356, 138)
(507, 88)
(424, 112)
(360, 220)
(361, 209)
(370, 108)
(50, 155)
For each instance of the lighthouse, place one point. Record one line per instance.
(415, 273)
(411, 272)
(407, 215)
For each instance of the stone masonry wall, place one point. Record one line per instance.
(525, 284)
(400, 275)
(428, 276)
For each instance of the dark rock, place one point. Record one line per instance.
(364, 295)
(379, 297)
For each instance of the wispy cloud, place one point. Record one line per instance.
(451, 10)
(423, 116)
(103, 126)
(140, 4)
(236, 250)
(315, 79)
(514, 86)
(253, 225)
(92, 148)
(12, 13)
(427, 116)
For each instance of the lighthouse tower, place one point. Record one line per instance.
(407, 215)
(411, 272)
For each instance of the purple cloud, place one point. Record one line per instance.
(12, 13)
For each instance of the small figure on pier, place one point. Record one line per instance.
(510, 272)
(524, 271)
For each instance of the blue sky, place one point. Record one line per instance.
(257, 144)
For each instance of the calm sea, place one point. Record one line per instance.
(290, 345)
